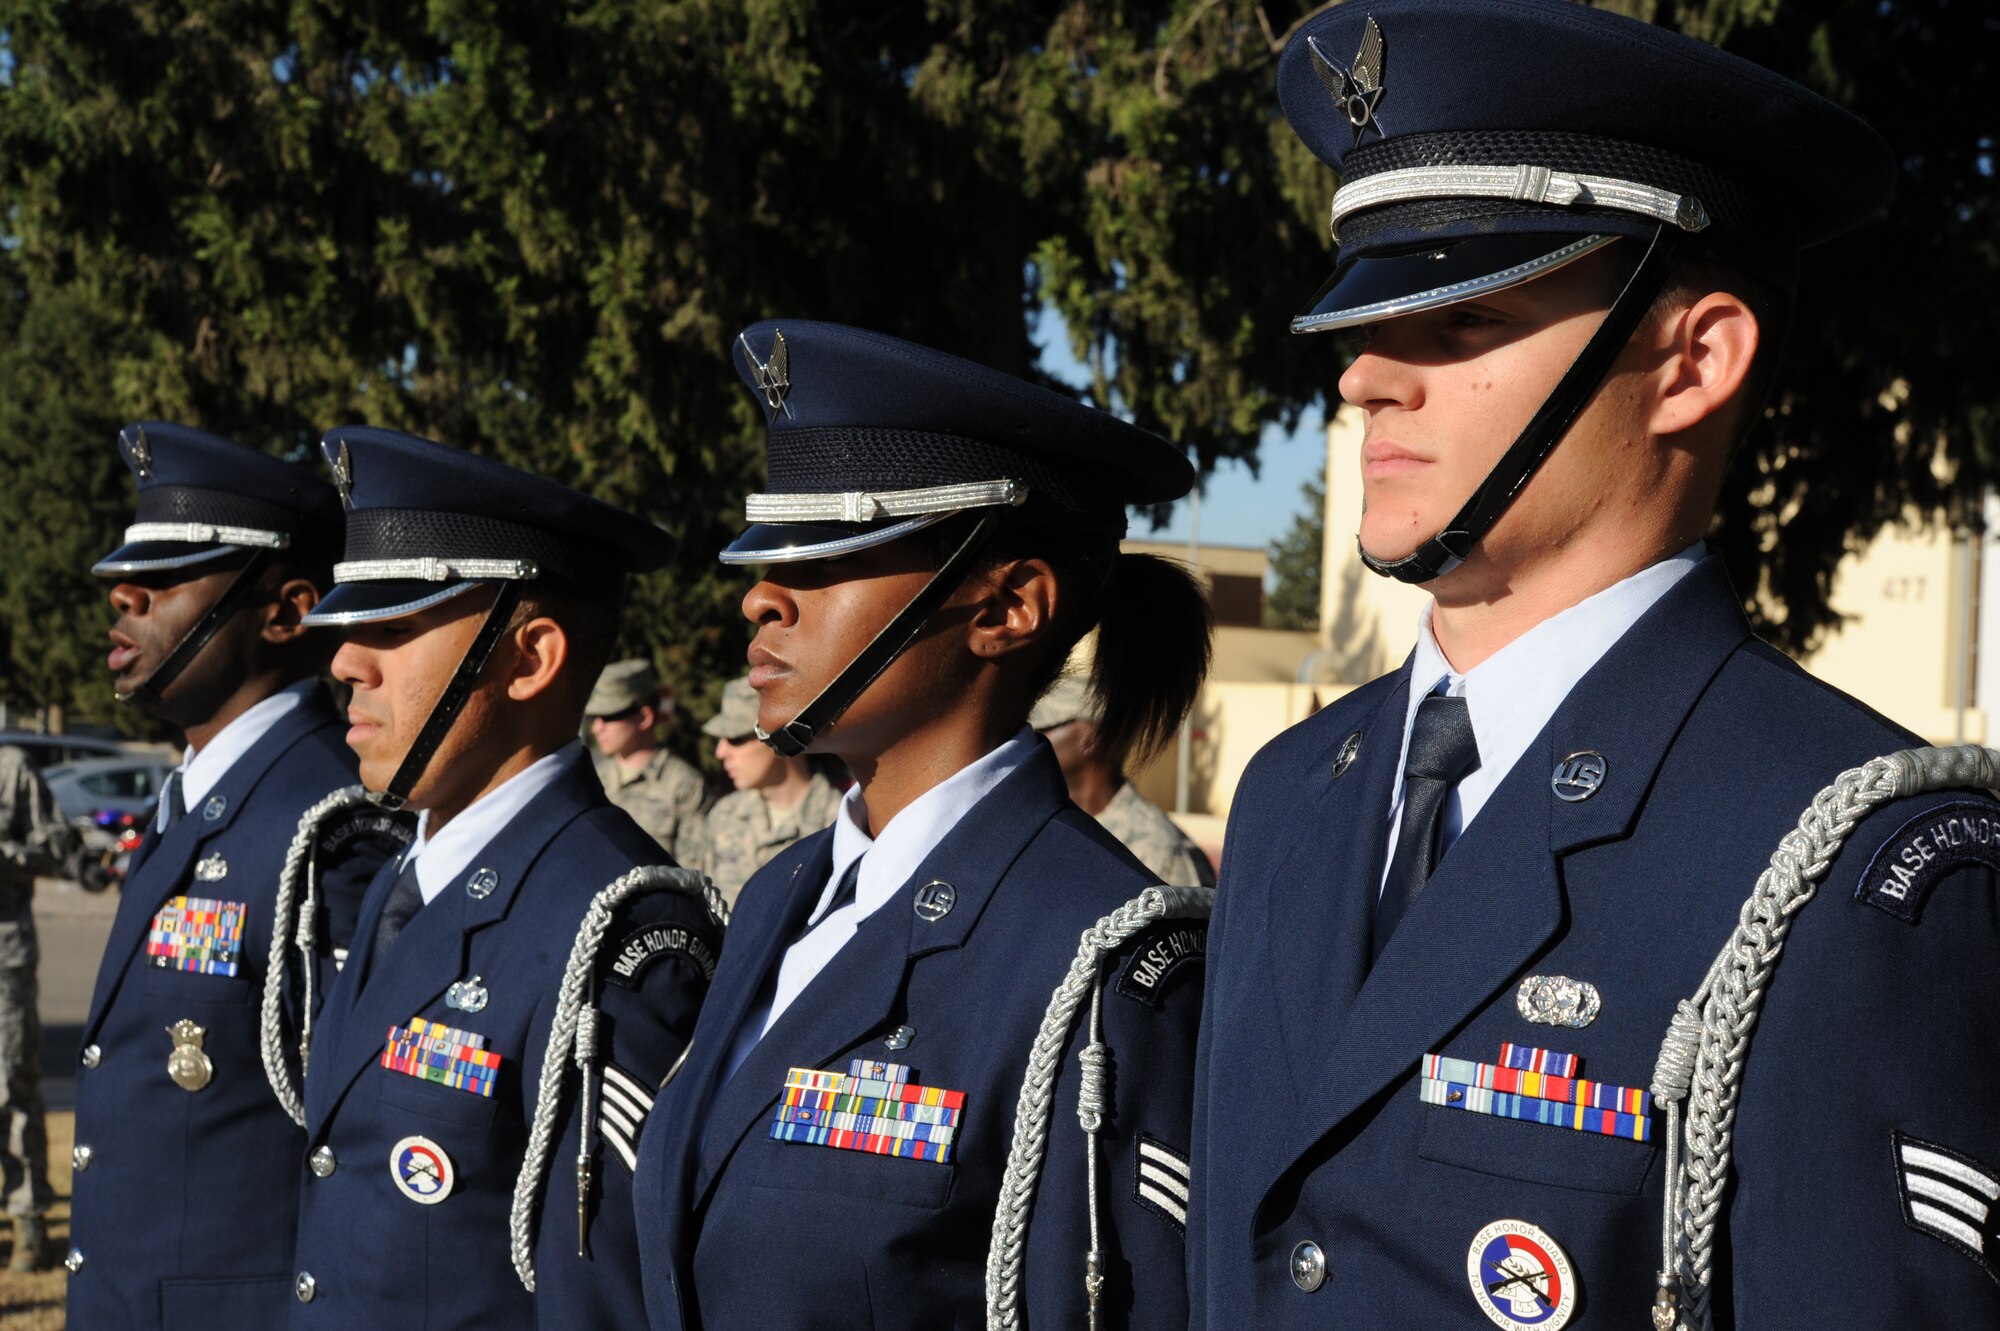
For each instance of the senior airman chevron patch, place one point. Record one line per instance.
(1163, 1181)
(623, 1108)
(1950, 1197)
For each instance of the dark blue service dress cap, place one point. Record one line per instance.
(426, 521)
(203, 497)
(872, 438)
(1482, 143)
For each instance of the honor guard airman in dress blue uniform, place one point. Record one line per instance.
(832, 1154)
(1459, 906)
(184, 1160)
(479, 1075)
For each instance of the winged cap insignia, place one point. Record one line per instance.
(1356, 90)
(343, 474)
(141, 452)
(774, 377)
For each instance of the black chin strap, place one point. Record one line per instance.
(817, 715)
(1449, 548)
(147, 696)
(456, 690)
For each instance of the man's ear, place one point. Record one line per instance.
(294, 600)
(1709, 349)
(541, 649)
(1016, 603)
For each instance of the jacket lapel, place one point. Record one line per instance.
(1496, 899)
(1323, 896)
(858, 990)
(163, 871)
(430, 953)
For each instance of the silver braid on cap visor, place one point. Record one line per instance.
(1527, 184)
(202, 533)
(431, 569)
(863, 506)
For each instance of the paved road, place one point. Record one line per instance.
(73, 925)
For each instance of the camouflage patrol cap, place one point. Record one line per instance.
(623, 686)
(737, 717)
(1068, 700)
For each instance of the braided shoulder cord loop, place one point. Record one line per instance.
(1708, 1040)
(573, 1038)
(1032, 1113)
(292, 924)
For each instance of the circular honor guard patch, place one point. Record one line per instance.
(421, 1170)
(1521, 1277)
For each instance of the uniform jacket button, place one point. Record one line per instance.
(1308, 1266)
(305, 1287)
(74, 1261)
(323, 1161)
(92, 1055)
(79, 1157)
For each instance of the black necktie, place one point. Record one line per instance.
(1442, 753)
(405, 899)
(172, 800)
(842, 895)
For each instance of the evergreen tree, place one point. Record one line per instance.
(1296, 560)
(532, 229)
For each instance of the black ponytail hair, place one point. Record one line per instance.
(1154, 629)
(1154, 640)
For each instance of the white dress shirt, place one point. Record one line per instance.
(887, 862)
(202, 768)
(441, 859)
(1512, 694)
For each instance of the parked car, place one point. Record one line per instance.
(46, 751)
(110, 799)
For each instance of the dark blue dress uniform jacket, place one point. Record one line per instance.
(184, 1212)
(745, 1231)
(1309, 1126)
(377, 1258)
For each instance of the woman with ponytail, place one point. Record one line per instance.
(935, 540)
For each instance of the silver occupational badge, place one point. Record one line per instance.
(188, 1065)
(774, 377)
(141, 451)
(212, 869)
(466, 995)
(1557, 1000)
(1356, 91)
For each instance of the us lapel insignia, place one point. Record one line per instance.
(1537, 1086)
(1579, 776)
(1521, 1278)
(871, 1107)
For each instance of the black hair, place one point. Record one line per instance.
(1153, 622)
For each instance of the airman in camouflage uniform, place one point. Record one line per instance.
(33, 839)
(1067, 717)
(777, 800)
(663, 794)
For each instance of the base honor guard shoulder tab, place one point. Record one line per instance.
(364, 825)
(638, 949)
(1926, 849)
(1156, 960)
